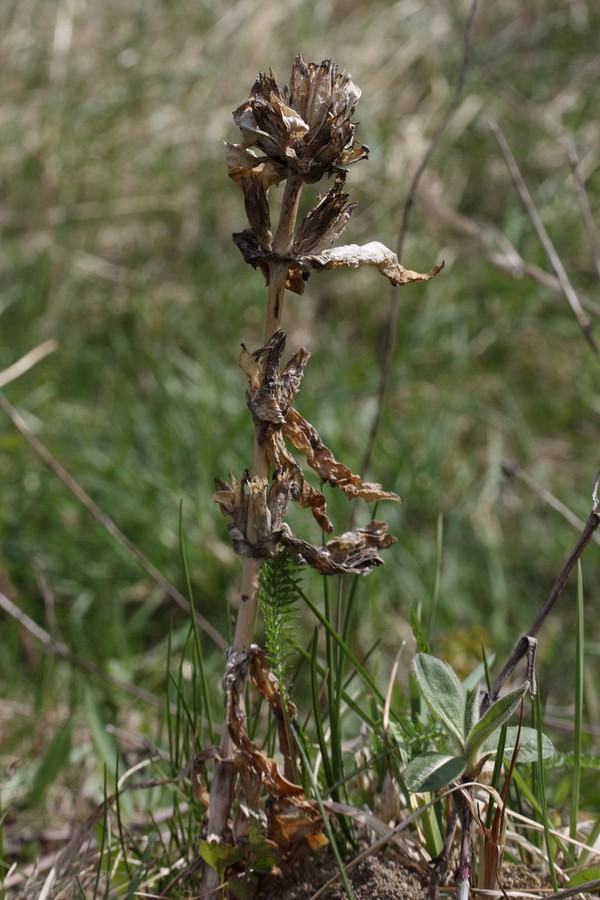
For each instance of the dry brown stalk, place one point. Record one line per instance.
(304, 133)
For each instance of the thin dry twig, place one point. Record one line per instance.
(523, 646)
(103, 519)
(555, 260)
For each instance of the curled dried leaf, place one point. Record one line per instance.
(372, 254)
(275, 393)
(320, 458)
(242, 164)
(354, 552)
(240, 665)
(351, 256)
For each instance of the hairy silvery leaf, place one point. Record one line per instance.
(433, 771)
(472, 709)
(444, 694)
(528, 744)
(498, 713)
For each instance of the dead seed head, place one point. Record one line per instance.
(305, 128)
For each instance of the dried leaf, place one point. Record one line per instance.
(320, 458)
(294, 824)
(350, 256)
(373, 535)
(240, 665)
(296, 830)
(275, 393)
(354, 552)
(286, 467)
(373, 254)
(242, 163)
(250, 503)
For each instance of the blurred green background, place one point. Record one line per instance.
(116, 217)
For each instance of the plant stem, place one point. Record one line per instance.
(522, 645)
(223, 786)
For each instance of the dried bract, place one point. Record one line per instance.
(324, 223)
(307, 127)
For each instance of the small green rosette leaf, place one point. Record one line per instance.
(498, 713)
(528, 748)
(433, 771)
(443, 693)
(472, 709)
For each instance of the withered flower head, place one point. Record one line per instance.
(307, 127)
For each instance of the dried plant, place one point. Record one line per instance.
(297, 135)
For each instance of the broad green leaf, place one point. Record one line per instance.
(527, 744)
(498, 713)
(443, 693)
(591, 874)
(433, 771)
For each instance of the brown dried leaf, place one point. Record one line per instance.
(294, 824)
(247, 754)
(286, 467)
(320, 458)
(373, 535)
(296, 830)
(354, 552)
(250, 368)
(242, 163)
(250, 503)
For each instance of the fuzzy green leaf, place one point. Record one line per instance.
(498, 713)
(527, 744)
(443, 693)
(433, 771)
(472, 709)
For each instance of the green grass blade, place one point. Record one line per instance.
(542, 794)
(206, 694)
(316, 701)
(352, 658)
